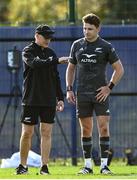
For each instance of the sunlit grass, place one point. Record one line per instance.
(64, 170)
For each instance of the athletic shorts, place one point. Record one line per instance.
(31, 114)
(87, 104)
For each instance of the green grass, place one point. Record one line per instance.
(59, 171)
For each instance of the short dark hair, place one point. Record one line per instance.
(91, 19)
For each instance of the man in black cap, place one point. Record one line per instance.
(42, 95)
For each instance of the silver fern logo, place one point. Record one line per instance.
(99, 50)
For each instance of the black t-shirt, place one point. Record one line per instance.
(41, 85)
(91, 59)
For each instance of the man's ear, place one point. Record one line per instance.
(36, 35)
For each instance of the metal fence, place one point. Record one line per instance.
(66, 132)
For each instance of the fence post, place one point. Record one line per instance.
(72, 11)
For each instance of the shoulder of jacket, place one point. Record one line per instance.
(29, 47)
(80, 41)
(106, 43)
(50, 49)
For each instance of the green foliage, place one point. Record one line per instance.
(56, 12)
(4, 10)
(35, 11)
(91, 6)
(121, 11)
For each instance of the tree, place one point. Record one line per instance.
(55, 12)
(110, 11)
(121, 11)
(4, 10)
(34, 11)
(91, 6)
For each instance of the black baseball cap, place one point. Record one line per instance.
(45, 31)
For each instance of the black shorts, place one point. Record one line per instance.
(31, 114)
(87, 104)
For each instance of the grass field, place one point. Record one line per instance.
(58, 171)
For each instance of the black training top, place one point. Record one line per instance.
(91, 59)
(41, 84)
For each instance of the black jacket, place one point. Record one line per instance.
(41, 86)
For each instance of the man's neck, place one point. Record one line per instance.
(39, 44)
(93, 39)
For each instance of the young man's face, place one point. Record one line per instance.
(90, 31)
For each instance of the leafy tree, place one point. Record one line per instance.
(33, 11)
(4, 10)
(55, 12)
(121, 11)
(91, 6)
(110, 11)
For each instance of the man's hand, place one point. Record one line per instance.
(60, 106)
(63, 60)
(103, 93)
(70, 97)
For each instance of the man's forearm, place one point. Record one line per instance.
(70, 76)
(116, 76)
(118, 73)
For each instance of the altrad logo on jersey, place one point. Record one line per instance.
(90, 58)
